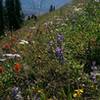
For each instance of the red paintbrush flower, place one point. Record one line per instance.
(6, 46)
(17, 67)
(1, 70)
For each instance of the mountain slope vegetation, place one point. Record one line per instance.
(54, 58)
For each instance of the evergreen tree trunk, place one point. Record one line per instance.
(1, 18)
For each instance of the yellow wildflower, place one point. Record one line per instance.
(78, 93)
(40, 91)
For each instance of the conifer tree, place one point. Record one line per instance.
(1, 18)
(14, 15)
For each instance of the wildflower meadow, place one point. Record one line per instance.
(54, 58)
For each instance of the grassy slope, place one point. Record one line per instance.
(23, 32)
(64, 11)
(37, 52)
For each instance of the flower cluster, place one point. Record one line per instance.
(78, 93)
(58, 50)
(16, 93)
(16, 68)
(10, 58)
(59, 54)
(93, 73)
(60, 38)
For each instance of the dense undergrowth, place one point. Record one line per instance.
(58, 59)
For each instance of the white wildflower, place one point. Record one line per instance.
(11, 55)
(77, 9)
(17, 55)
(23, 42)
(2, 60)
(19, 96)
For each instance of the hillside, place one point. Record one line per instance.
(55, 57)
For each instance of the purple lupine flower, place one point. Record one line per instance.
(60, 38)
(93, 77)
(59, 55)
(59, 51)
(94, 67)
(15, 91)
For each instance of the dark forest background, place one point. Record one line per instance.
(11, 16)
